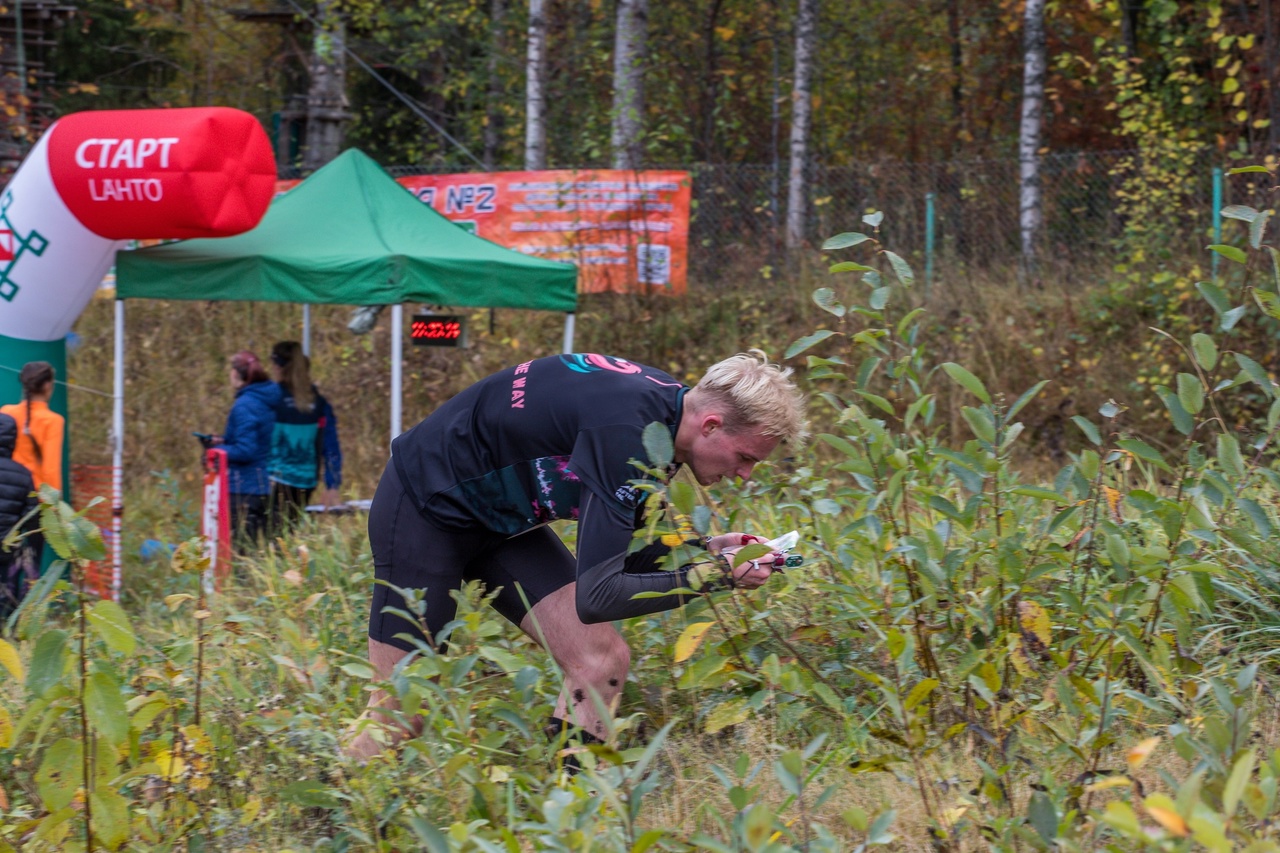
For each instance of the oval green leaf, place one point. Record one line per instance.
(807, 341)
(657, 444)
(105, 708)
(1206, 350)
(1240, 211)
(1231, 253)
(901, 269)
(844, 241)
(825, 298)
(112, 626)
(1190, 393)
(966, 379)
(849, 266)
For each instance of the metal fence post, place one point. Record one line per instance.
(928, 243)
(1217, 217)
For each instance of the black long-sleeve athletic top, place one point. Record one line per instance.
(548, 439)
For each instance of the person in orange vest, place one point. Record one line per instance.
(40, 429)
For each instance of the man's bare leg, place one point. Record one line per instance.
(594, 658)
(380, 710)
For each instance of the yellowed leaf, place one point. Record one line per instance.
(197, 740)
(1138, 755)
(690, 639)
(1170, 820)
(1113, 503)
(249, 811)
(311, 601)
(1018, 655)
(672, 540)
(202, 614)
(1035, 621)
(294, 577)
(10, 660)
(727, 714)
(4, 800)
(1108, 783)
(6, 730)
(812, 633)
(173, 602)
(171, 766)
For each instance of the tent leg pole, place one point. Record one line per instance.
(117, 451)
(568, 333)
(397, 358)
(306, 330)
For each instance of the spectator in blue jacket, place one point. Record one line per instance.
(247, 441)
(304, 441)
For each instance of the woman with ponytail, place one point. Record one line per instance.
(40, 429)
(305, 439)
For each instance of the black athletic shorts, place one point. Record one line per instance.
(412, 553)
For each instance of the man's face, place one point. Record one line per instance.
(716, 453)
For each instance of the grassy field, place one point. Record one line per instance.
(1013, 630)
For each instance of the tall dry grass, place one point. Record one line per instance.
(176, 355)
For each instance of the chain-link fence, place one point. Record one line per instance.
(967, 211)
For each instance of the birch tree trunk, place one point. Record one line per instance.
(493, 98)
(327, 112)
(628, 84)
(710, 81)
(801, 107)
(1029, 134)
(535, 99)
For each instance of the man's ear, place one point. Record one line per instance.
(711, 422)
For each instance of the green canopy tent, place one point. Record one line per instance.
(348, 235)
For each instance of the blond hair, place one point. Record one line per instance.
(756, 394)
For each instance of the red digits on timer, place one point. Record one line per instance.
(436, 329)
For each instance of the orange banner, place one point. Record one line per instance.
(626, 231)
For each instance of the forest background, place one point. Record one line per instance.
(1040, 600)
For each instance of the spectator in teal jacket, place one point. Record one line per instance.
(304, 440)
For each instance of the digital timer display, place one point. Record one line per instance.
(438, 330)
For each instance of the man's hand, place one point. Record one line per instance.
(716, 545)
(751, 574)
(331, 499)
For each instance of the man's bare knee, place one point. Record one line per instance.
(384, 657)
(604, 664)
